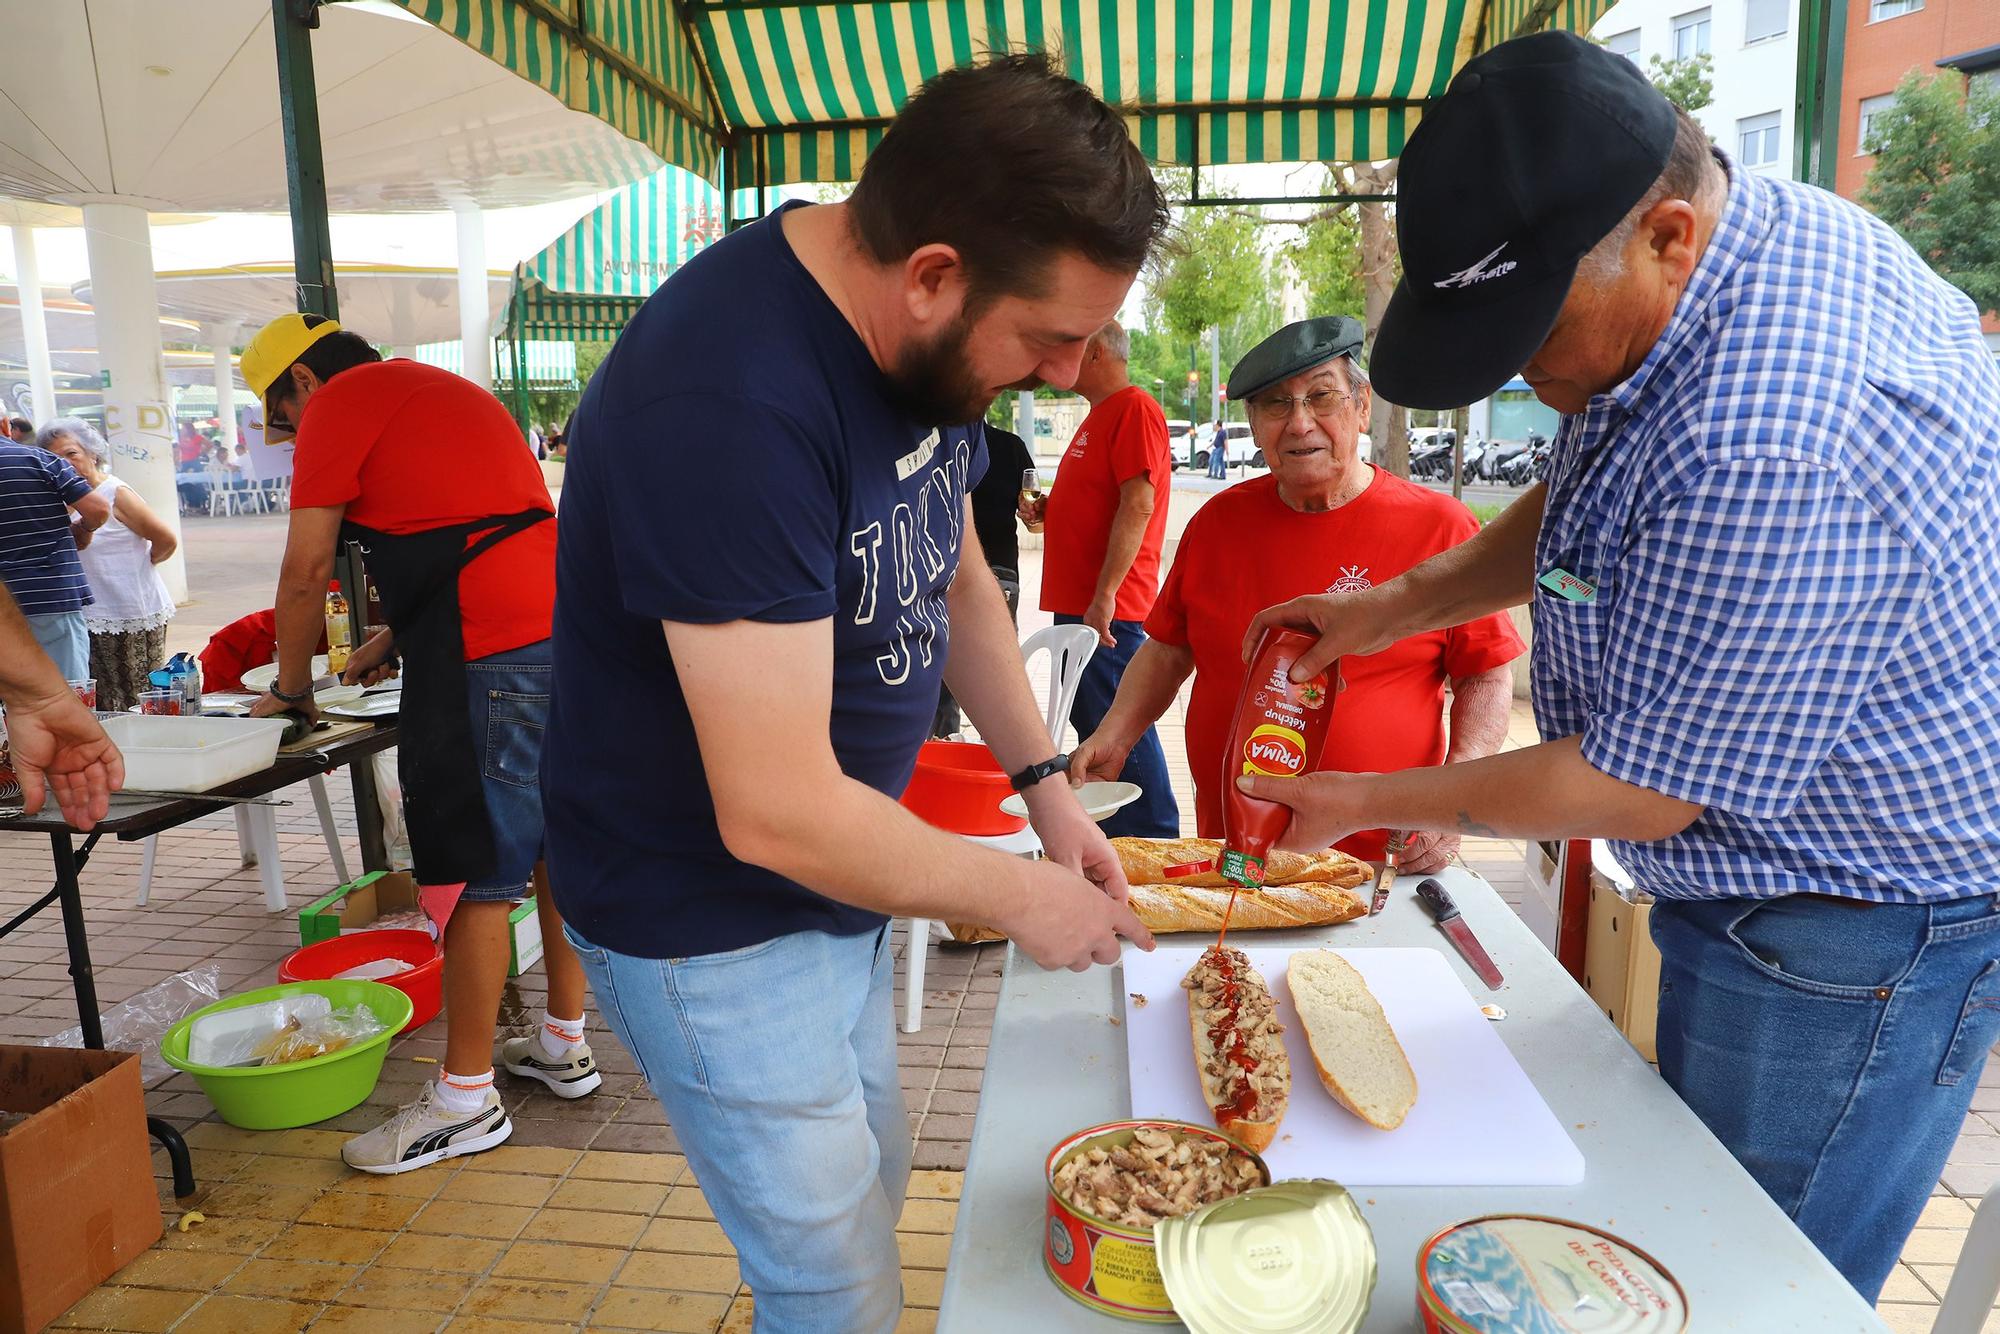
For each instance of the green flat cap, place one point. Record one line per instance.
(1294, 348)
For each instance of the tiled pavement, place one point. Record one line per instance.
(588, 1217)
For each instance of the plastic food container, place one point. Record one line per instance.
(278, 1097)
(958, 786)
(193, 754)
(1113, 1267)
(1509, 1272)
(423, 983)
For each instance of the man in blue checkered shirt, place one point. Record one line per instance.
(1765, 570)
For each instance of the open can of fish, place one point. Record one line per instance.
(1293, 1258)
(1108, 1265)
(1511, 1272)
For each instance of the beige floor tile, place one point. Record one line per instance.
(517, 1158)
(1945, 1211)
(559, 1262)
(742, 1313)
(456, 1219)
(1903, 1285)
(361, 1320)
(611, 1197)
(923, 1250)
(685, 1273)
(605, 1165)
(329, 1245)
(1934, 1245)
(676, 1312)
(375, 1213)
(687, 1202)
(917, 1320)
(215, 1135)
(529, 1298)
(928, 1216)
(584, 1227)
(1904, 1318)
(241, 1236)
(298, 1280)
(441, 1255)
(421, 1184)
(935, 1185)
(187, 1271)
(224, 1314)
(498, 1188)
(686, 1234)
(308, 1143)
(385, 1288)
(487, 1324)
(142, 1310)
(1939, 1278)
(922, 1287)
(280, 1203)
(279, 1170)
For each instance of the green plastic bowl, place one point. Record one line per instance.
(278, 1097)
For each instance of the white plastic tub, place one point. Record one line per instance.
(193, 754)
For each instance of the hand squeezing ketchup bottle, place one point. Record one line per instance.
(1280, 729)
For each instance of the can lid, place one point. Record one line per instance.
(1293, 1258)
(1511, 1272)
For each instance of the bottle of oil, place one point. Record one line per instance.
(339, 629)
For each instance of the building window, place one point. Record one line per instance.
(1892, 9)
(1624, 44)
(1691, 35)
(1871, 109)
(1765, 19)
(1757, 140)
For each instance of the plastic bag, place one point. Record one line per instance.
(305, 1038)
(234, 1036)
(139, 1023)
(389, 792)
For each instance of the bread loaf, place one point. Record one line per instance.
(1169, 908)
(1147, 861)
(1239, 1048)
(1359, 1059)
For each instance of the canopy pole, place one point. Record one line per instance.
(1816, 91)
(728, 189)
(305, 169)
(221, 337)
(517, 318)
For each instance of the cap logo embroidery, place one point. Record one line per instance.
(1478, 272)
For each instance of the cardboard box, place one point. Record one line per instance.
(77, 1201)
(356, 906)
(1621, 966)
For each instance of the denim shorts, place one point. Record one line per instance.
(507, 695)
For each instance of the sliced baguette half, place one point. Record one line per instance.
(1359, 1059)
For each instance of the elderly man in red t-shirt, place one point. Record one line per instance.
(1106, 518)
(1320, 520)
(429, 474)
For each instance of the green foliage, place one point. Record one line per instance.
(1326, 256)
(1210, 274)
(1689, 84)
(1936, 179)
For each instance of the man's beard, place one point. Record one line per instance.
(935, 383)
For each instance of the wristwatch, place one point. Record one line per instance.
(1035, 773)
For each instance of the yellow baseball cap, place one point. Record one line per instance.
(277, 345)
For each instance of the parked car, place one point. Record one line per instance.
(1240, 446)
(1178, 441)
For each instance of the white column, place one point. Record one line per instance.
(474, 319)
(220, 338)
(137, 420)
(34, 327)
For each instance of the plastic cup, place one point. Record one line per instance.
(86, 690)
(166, 703)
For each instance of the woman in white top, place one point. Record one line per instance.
(128, 619)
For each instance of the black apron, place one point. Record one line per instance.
(444, 802)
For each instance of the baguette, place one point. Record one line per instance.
(1359, 1059)
(1147, 860)
(1239, 1048)
(1166, 909)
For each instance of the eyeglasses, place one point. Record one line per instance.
(1321, 403)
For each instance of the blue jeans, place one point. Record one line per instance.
(1155, 814)
(1218, 460)
(63, 637)
(508, 695)
(776, 1065)
(1833, 1048)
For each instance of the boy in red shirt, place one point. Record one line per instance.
(1106, 519)
(1319, 521)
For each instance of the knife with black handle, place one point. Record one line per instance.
(1457, 932)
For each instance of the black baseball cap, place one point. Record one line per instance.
(1532, 156)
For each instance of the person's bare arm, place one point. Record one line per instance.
(1128, 531)
(95, 509)
(1145, 692)
(1547, 791)
(1480, 705)
(1492, 571)
(987, 678)
(136, 514)
(782, 802)
(54, 742)
(310, 543)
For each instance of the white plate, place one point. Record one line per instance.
(259, 678)
(368, 706)
(1099, 800)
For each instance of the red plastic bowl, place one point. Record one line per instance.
(423, 983)
(958, 786)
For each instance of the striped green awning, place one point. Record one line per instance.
(549, 364)
(779, 91)
(630, 243)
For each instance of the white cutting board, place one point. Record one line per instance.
(1478, 1121)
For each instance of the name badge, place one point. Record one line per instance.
(1560, 581)
(917, 457)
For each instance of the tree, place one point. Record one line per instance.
(1326, 256)
(1936, 179)
(1689, 83)
(1211, 274)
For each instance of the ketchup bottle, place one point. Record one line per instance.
(1280, 729)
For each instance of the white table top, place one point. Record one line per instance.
(1657, 1178)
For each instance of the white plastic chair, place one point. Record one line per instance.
(1069, 648)
(1975, 1282)
(257, 838)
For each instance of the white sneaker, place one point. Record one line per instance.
(569, 1076)
(424, 1133)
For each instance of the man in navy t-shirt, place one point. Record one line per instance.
(765, 568)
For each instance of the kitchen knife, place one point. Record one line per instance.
(1385, 872)
(1453, 925)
